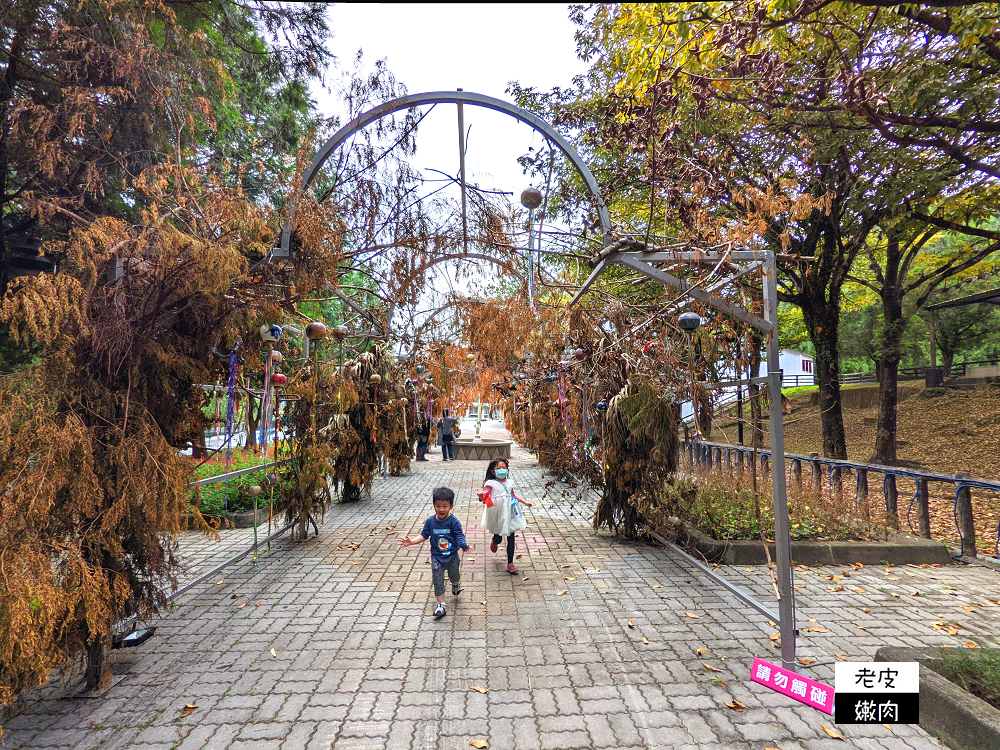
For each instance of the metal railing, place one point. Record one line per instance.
(740, 458)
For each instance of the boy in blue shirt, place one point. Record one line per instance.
(445, 533)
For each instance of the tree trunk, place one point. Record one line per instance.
(253, 419)
(822, 320)
(97, 664)
(888, 375)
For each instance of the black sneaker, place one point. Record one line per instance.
(456, 589)
(440, 611)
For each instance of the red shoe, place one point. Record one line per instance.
(511, 568)
(493, 546)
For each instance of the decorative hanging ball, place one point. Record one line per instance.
(335, 453)
(254, 490)
(420, 369)
(531, 198)
(375, 379)
(580, 354)
(277, 356)
(552, 378)
(278, 379)
(429, 378)
(339, 332)
(602, 406)
(409, 385)
(470, 356)
(316, 331)
(553, 403)
(521, 376)
(270, 332)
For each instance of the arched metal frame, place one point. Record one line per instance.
(451, 97)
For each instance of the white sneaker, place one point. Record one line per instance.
(440, 611)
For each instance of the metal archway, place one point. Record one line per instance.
(459, 98)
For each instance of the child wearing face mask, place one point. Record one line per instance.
(502, 515)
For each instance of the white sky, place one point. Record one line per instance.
(476, 47)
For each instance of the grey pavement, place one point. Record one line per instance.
(330, 643)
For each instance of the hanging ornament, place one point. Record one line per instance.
(270, 332)
(602, 406)
(339, 332)
(278, 379)
(254, 491)
(316, 331)
(375, 379)
(277, 356)
(420, 369)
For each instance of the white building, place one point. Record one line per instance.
(796, 369)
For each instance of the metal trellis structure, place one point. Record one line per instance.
(734, 264)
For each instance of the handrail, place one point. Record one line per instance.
(960, 483)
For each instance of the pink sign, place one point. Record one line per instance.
(795, 686)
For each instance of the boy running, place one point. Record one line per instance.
(445, 533)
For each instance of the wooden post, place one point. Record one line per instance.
(817, 473)
(765, 465)
(891, 501)
(966, 521)
(923, 509)
(797, 472)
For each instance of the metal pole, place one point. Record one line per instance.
(739, 395)
(694, 391)
(782, 538)
(461, 171)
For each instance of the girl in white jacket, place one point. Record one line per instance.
(502, 514)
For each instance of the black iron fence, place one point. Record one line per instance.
(829, 471)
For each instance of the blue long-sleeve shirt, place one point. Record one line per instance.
(445, 536)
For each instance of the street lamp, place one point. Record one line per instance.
(689, 323)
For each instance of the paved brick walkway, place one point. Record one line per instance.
(330, 644)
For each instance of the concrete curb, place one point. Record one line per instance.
(947, 711)
(900, 549)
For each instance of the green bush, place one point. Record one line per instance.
(211, 499)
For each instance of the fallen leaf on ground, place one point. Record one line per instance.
(866, 610)
(894, 595)
(273, 652)
(840, 656)
(702, 651)
(187, 710)
(967, 609)
(219, 581)
(236, 596)
(242, 605)
(564, 566)
(482, 602)
(517, 557)
(737, 706)
(806, 662)
(861, 627)
(645, 639)
(835, 588)
(859, 591)
(709, 667)
(657, 586)
(857, 566)
(691, 614)
(560, 593)
(479, 743)
(774, 636)
(631, 624)
(480, 689)
(525, 579)
(815, 629)
(972, 644)
(835, 735)
(568, 578)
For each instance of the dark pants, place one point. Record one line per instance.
(421, 448)
(446, 450)
(510, 546)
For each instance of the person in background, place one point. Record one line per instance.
(423, 436)
(446, 433)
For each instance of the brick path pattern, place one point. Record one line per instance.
(330, 643)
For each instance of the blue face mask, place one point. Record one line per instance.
(501, 473)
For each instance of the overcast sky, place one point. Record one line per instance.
(476, 47)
